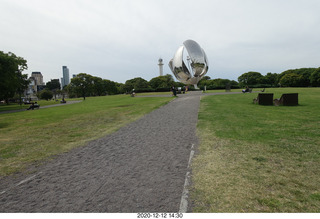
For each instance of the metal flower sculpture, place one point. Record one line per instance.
(197, 63)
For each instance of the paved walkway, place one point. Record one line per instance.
(140, 168)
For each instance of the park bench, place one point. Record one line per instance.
(248, 90)
(290, 99)
(264, 99)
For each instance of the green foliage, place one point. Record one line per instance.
(271, 79)
(136, 83)
(315, 78)
(218, 83)
(162, 82)
(54, 84)
(81, 85)
(11, 78)
(111, 87)
(250, 78)
(302, 77)
(85, 85)
(302, 81)
(291, 80)
(45, 94)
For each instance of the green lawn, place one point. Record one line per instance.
(255, 158)
(31, 136)
(16, 106)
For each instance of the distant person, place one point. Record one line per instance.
(31, 106)
(245, 90)
(174, 91)
(133, 93)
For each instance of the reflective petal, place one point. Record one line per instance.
(199, 63)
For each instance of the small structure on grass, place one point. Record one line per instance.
(290, 99)
(264, 99)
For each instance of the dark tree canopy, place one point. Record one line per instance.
(159, 82)
(291, 80)
(11, 78)
(250, 78)
(54, 84)
(45, 94)
(315, 78)
(304, 76)
(135, 83)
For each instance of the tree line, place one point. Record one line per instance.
(302, 77)
(85, 85)
(14, 83)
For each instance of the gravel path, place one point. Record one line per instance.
(140, 168)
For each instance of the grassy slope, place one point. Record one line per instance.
(256, 158)
(30, 136)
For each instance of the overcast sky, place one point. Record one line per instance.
(123, 39)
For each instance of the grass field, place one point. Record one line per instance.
(16, 106)
(255, 158)
(251, 158)
(32, 136)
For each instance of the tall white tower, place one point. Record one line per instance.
(160, 67)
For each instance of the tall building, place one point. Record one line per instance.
(38, 78)
(65, 80)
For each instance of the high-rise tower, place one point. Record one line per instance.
(65, 80)
(160, 67)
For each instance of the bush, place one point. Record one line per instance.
(142, 90)
(45, 95)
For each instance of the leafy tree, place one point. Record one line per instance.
(159, 82)
(205, 81)
(291, 80)
(98, 86)
(55, 86)
(135, 83)
(304, 73)
(271, 79)
(45, 94)
(315, 78)
(120, 88)
(81, 85)
(250, 78)
(221, 83)
(110, 87)
(11, 78)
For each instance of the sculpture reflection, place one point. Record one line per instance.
(197, 63)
